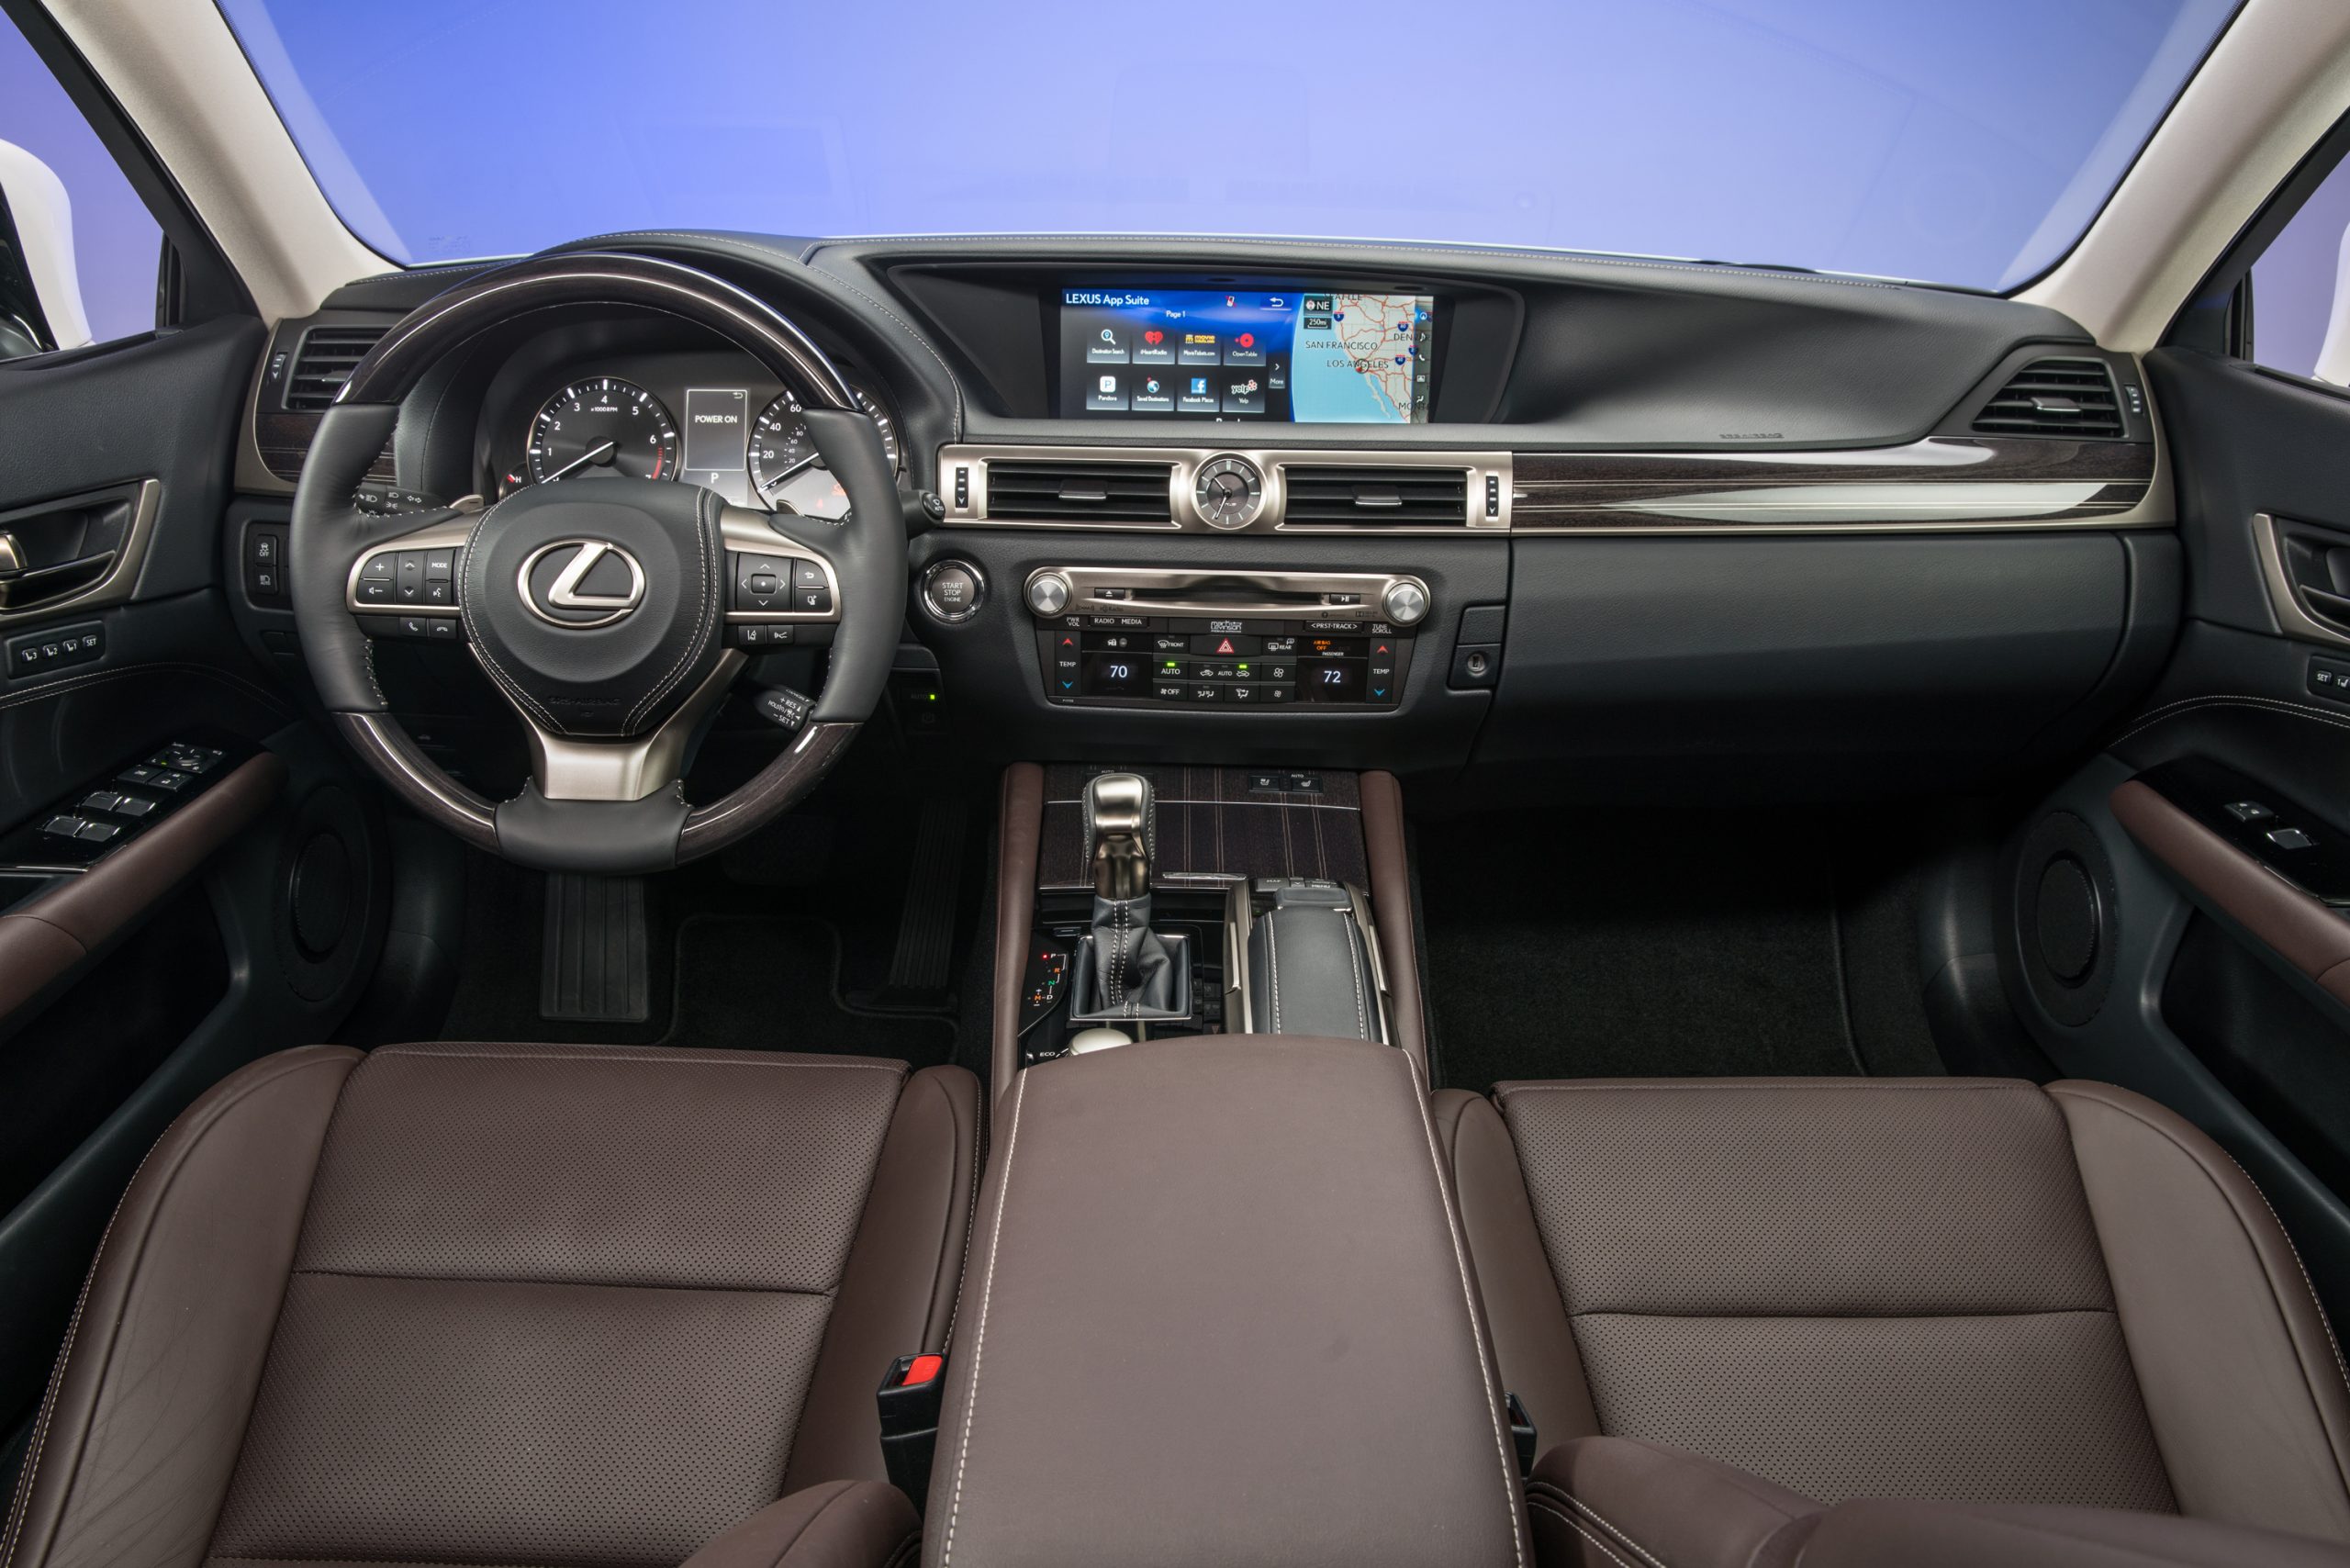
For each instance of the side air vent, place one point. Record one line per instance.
(1080, 492)
(325, 364)
(2055, 397)
(1375, 497)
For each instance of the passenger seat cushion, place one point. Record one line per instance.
(1849, 1288)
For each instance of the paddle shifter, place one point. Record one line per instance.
(1131, 974)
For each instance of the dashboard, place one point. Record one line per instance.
(1524, 522)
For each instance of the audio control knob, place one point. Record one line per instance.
(1048, 593)
(1405, 603)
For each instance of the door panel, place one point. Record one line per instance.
(2213, 948)
(137, 969)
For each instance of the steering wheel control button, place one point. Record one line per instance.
(1405, 603)
(952, 591)
(785, 708)
(1048, 593)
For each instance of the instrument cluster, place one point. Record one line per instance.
(709, 420)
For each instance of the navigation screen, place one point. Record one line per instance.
(1319, 356)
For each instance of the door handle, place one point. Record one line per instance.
(22, 588)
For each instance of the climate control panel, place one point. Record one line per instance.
(1127, 638)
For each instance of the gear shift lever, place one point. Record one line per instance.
(1132, 972)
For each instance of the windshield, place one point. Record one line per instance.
(1956, 142)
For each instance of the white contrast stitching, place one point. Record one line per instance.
(1273, 966)
(1354, 969)
(980, 1341)
(1468, 1304)
(1576, 1525)
(703, 606)
(2231, 700)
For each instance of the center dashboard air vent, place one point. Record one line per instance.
(1375, 495)
(1080, 492)
(325, 363)
(2055, 397)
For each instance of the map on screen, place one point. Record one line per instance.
(1314, 355)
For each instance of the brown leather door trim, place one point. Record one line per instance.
(45, 938)
(2299, 928)
(1020, 834)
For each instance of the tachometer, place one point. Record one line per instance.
(601, 427)
(784, 468)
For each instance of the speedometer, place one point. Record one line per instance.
(784, 468)
(601, 427)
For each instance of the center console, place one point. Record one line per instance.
(1217, 1312)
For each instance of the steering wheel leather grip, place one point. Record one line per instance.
(609, 708)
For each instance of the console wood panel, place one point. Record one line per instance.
(2021, 482)
(1210, 826)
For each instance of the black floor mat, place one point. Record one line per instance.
(733, 966)
(1682, 947)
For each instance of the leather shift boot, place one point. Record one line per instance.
(1133, 972)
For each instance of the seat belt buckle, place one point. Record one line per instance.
(910, 1398)
(1521, 1434)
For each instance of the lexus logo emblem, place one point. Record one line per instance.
(580, 583)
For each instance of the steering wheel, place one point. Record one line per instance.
(598, 610)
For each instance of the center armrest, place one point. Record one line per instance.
(1217, 1311)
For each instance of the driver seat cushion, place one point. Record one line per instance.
(471, 1303)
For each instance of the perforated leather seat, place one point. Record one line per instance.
(1948, 1289)
(461, 1303)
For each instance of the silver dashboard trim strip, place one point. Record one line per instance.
(1183, 466)
(1938, 501)
(120, 579)
(2295, 621)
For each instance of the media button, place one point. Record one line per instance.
(1244, 395)
(1105, 394)
(1244, 348)
(1106, 345)
(1199, 348)
(1198, 396)
(1154, 345)
(1154, 395)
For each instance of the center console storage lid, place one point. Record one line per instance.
(1217, 1311)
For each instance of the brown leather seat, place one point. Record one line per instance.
(1966, 1290)
(474, 1304)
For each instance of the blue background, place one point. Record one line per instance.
(1934, 138)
